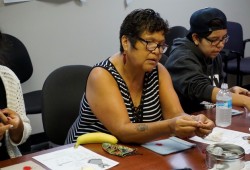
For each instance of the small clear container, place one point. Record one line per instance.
(223, 156)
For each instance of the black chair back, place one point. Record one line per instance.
(61, 96)
(233, 53)
(174, 32)
(235, 42)
(17, 57)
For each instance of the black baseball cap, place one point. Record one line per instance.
(200, 20)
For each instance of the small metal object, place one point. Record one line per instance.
(246, 137)
(225, 156)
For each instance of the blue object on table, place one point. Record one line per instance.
(167, 146)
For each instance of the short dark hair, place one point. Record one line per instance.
(141, 20)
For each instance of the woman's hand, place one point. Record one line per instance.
(185, 126)
(205, 126)
(239, 90)
(12, 118)
(188, 126)
(13, 122)
(3, 129)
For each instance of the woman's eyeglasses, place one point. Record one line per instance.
(216, 42)
(151, 46)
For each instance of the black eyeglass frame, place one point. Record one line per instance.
(162, 47)
(215, 43)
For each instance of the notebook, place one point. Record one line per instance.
(170, 145)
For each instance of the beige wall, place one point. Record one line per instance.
(61, 32)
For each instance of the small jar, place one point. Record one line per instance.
(225, 156)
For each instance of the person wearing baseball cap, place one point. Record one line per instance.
(195, 64)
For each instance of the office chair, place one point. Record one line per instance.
(174, 32)
(61, 96)
(18, 60)
(235, 62)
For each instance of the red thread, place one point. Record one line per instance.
(158, 144)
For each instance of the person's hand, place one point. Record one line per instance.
(185, 126)
(10, 117)
(247, 106)
(2, 130)
(14, 123)
(3, 126)
(205, 126)
(239, 90)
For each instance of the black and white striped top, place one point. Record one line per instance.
(150, 104)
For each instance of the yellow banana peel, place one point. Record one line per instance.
(95, 137)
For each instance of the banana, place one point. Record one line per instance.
(95, 137)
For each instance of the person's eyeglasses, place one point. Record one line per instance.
(218, 41)
(151, 46)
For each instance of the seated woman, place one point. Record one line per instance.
(131, 94)
(14, 125)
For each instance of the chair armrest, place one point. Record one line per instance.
(226, 53)
(245, 42)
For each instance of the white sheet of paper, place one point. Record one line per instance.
(75, 159)
(13, 1)
(227, 136)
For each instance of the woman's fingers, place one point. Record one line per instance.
(240, 90)
(187, 126)
(3, 128)
(3, 117)
(11, 117)
(9, 113)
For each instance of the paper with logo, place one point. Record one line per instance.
(75, 158)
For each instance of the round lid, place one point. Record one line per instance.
(226, 151)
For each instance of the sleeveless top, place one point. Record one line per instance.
(149, 109)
